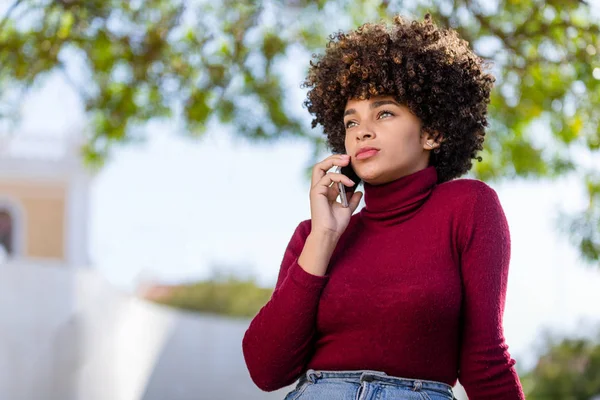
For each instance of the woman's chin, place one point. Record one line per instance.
(371, 179)
(369, 174)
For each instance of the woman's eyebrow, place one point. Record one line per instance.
(380, 103)
(373, 105)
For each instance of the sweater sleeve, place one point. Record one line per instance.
(486, 368)
(279, 340)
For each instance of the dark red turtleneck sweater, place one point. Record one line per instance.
(415, 288)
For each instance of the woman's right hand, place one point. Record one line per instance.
(327, 215)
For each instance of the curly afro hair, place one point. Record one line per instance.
(430, 70)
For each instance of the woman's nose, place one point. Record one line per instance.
(365, 134)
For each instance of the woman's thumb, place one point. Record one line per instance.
(355, 201)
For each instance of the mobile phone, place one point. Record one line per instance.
(347, 190)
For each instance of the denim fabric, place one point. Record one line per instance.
(366, 385)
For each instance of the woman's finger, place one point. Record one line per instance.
(320, 169)
(334, 177)
(333, 192)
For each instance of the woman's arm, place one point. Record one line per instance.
(486, 367)
(279, 340)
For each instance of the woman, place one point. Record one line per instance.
(404, 298)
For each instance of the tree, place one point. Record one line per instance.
(197, 62)
(569, 369)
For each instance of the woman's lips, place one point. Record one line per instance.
(366, 154)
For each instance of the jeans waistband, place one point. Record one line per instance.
(369, 376)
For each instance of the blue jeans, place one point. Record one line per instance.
(366, 385)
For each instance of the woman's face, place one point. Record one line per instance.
(390, 127)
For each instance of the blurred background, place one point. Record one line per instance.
(154, 163)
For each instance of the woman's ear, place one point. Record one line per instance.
(432, 139)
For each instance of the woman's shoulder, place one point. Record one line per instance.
(466, 194)
(466, 187)
(468, 203)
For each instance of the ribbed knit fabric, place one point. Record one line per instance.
(415, 288)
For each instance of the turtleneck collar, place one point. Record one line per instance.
(396, 201)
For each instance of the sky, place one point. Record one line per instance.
(171, 208)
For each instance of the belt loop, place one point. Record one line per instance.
(311, 375)
(417, 385)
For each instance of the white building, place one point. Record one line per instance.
(44, 206)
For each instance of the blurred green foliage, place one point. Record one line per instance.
(199, 61)
(569, 369)
(228, 295)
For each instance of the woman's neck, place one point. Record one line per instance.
(396, 201)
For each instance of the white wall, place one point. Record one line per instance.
(65, 334)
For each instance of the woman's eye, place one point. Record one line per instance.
(381, 114)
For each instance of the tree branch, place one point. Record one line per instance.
(7, 15)
(75, 86)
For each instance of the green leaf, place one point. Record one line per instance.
(272, 45)
(66, 23)
(197, 108)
